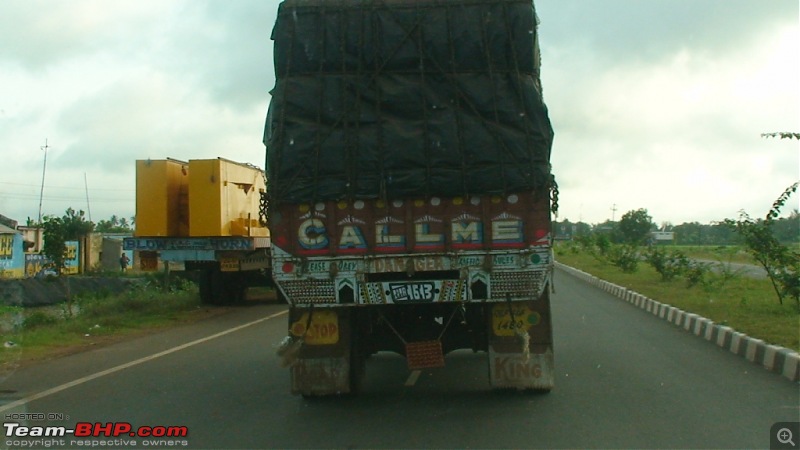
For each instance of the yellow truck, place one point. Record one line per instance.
(206, 214)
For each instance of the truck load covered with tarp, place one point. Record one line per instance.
(392, 99)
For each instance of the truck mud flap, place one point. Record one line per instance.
(519, 371)
(324, 363)
(521, 345)
(321, 376)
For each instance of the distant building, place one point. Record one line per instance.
(12, 256)
(663, 237)
(33, 237)
(10, 223)
(564, 232)
(21, 252)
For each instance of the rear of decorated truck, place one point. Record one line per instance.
(410, 189)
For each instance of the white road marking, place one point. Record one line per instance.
(412, 379)
(145, 359)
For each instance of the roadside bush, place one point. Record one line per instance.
(696, 273)
(38, 319)
(175, 282)
(603, 243)
(584, 242)
(670, 264)
(789, 278)
(625, 257)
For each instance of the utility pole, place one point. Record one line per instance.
(86, 186)
(613, 211)
(44, 169)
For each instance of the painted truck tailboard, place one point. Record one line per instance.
(439, 250)
(412, 226)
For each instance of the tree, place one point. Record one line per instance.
(787, 230)
(59, 230)
(782, 135)
(689, 233)
(114, 225)
(565, 228)
(781, 263)
(635, 227)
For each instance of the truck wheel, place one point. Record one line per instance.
(211, 288)
(204, 285)
(235, 287)
(358, 365)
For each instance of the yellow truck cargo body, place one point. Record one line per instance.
(199, 198)
(224, 198)
(162, 207)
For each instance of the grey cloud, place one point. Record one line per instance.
(111, 126)
(147, 117)
(37, 34)
(618, 30)
(28, 37)
(226, 48)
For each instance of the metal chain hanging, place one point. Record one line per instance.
(554, 195)
(263, 204)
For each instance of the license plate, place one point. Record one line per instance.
(413, 292)
(229, 264)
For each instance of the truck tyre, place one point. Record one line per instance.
(234, 287)
(211, 288)
(204, 286)
(358, 363)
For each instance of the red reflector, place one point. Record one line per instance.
(424, 355)
(539, 234)
(287, 267)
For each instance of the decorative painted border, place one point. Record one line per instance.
(772, 357)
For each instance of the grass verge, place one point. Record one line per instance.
(28, 334)
(748, 305)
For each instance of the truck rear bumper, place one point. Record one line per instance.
(411, 279)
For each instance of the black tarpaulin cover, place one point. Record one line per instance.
(397, 99)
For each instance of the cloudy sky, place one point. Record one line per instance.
(656, 104)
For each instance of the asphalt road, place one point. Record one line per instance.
(624, 379)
